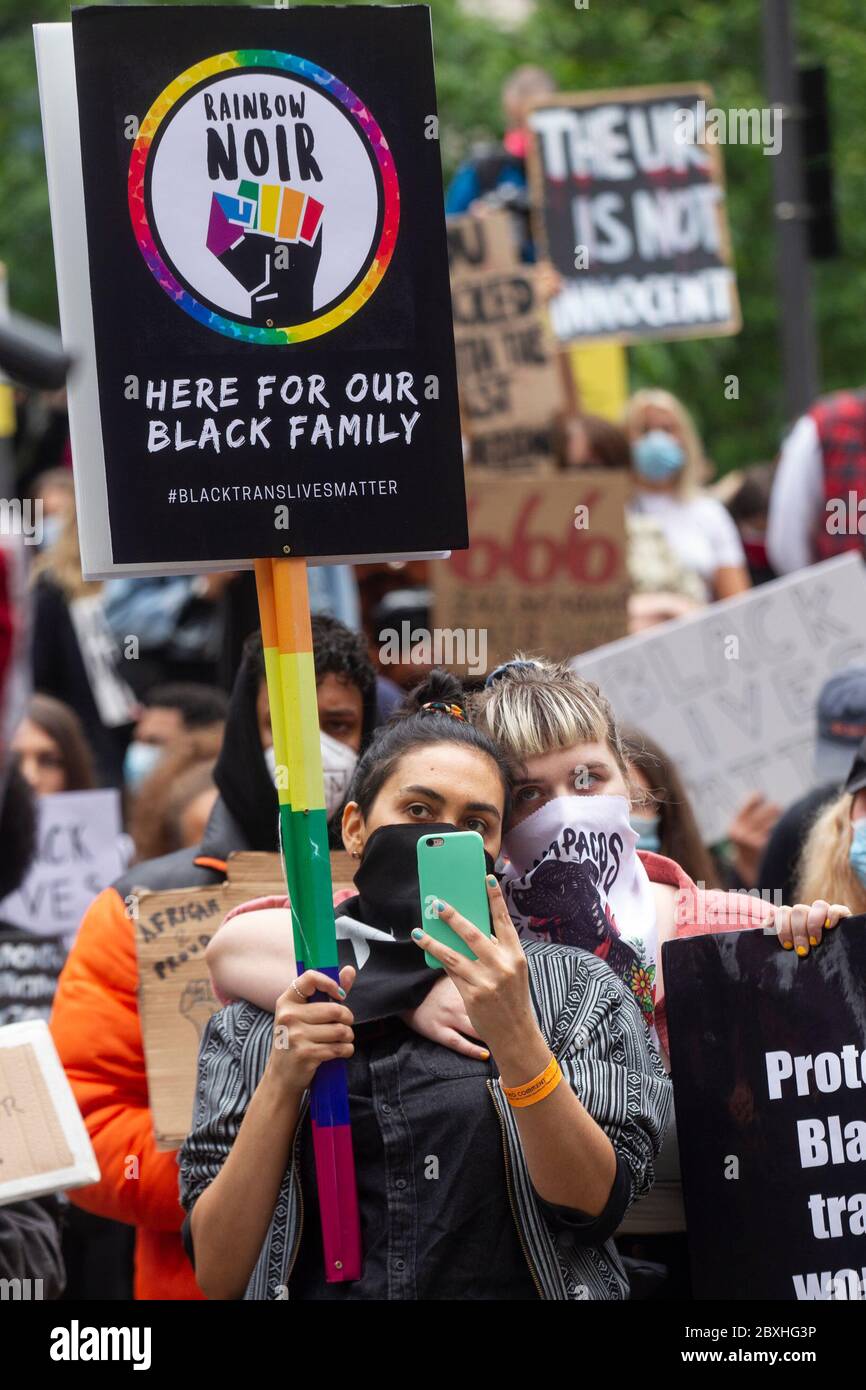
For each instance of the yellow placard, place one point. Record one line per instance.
(601, 379)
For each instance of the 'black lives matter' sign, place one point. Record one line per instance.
(768, 1057)
(631, 210)
(269, 279)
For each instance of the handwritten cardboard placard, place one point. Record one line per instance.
(79, 852)
(534, 579)
(44, 1146)
(479, 244)
(730, 694)
(173, 930)
(508, 371)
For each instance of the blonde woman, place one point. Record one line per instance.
(668, 468)
(576, 875)
(834, 855)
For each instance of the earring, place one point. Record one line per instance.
(355, 854)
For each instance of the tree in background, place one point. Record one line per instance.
(603, 45)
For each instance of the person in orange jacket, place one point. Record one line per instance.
(95, 1021)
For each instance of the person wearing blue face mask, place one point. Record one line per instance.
(170, 710)
(668, 467)
(834, 854)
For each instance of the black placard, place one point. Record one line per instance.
(630, 208)
(768, 1057)
(278, 214)
(29, 969)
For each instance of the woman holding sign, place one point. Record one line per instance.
(531, 1176)
(575, 873)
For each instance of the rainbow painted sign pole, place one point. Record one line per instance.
(252, 274)
(288, 647)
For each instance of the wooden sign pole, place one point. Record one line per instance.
(284, 607)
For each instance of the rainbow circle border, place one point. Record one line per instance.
(263, 58)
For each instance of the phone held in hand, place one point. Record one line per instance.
(452, 869)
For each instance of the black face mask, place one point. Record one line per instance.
(387, 878)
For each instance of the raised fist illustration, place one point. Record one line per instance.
(269, 237)
(197, 1003)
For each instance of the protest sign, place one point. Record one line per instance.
(730, 693)
(252, 270)
(80, 851)
(630, 208)
(30, 966)
(479, 244)
(172, 930)
(545, 570)
(44, 1146)
(508, 369)
(768, 1056)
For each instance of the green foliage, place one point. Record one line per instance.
(611, 43)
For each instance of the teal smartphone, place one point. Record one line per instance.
(452, 867)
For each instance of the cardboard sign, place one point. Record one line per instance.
(631, 211)
(30, 966)
(44, 1146)
(545, 570)
(730, 694)
(264, 324)
(176, 1000)
(79, 852)
(507, 367)
(479, 244)
(768, 1058)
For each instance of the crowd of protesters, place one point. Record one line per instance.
(156, 688)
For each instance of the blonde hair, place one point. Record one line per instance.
(533, 709)
(825, 869)
(62, 564)
(695, 470)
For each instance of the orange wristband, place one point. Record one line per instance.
(535, 1090)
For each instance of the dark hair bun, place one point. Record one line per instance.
(440, 686)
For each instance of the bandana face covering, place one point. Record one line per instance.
(574, 878)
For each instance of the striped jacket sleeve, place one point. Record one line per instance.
(609, 1061)
(221, 1099)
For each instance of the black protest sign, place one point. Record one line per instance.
(768, 1056)
(630, 207)
(29, 969)
(269, 278)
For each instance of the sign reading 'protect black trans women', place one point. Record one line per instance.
(269, 281)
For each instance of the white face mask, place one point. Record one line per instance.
(573, 877)
(338, 764)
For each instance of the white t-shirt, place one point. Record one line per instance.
(698, 529)
(797, 499)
